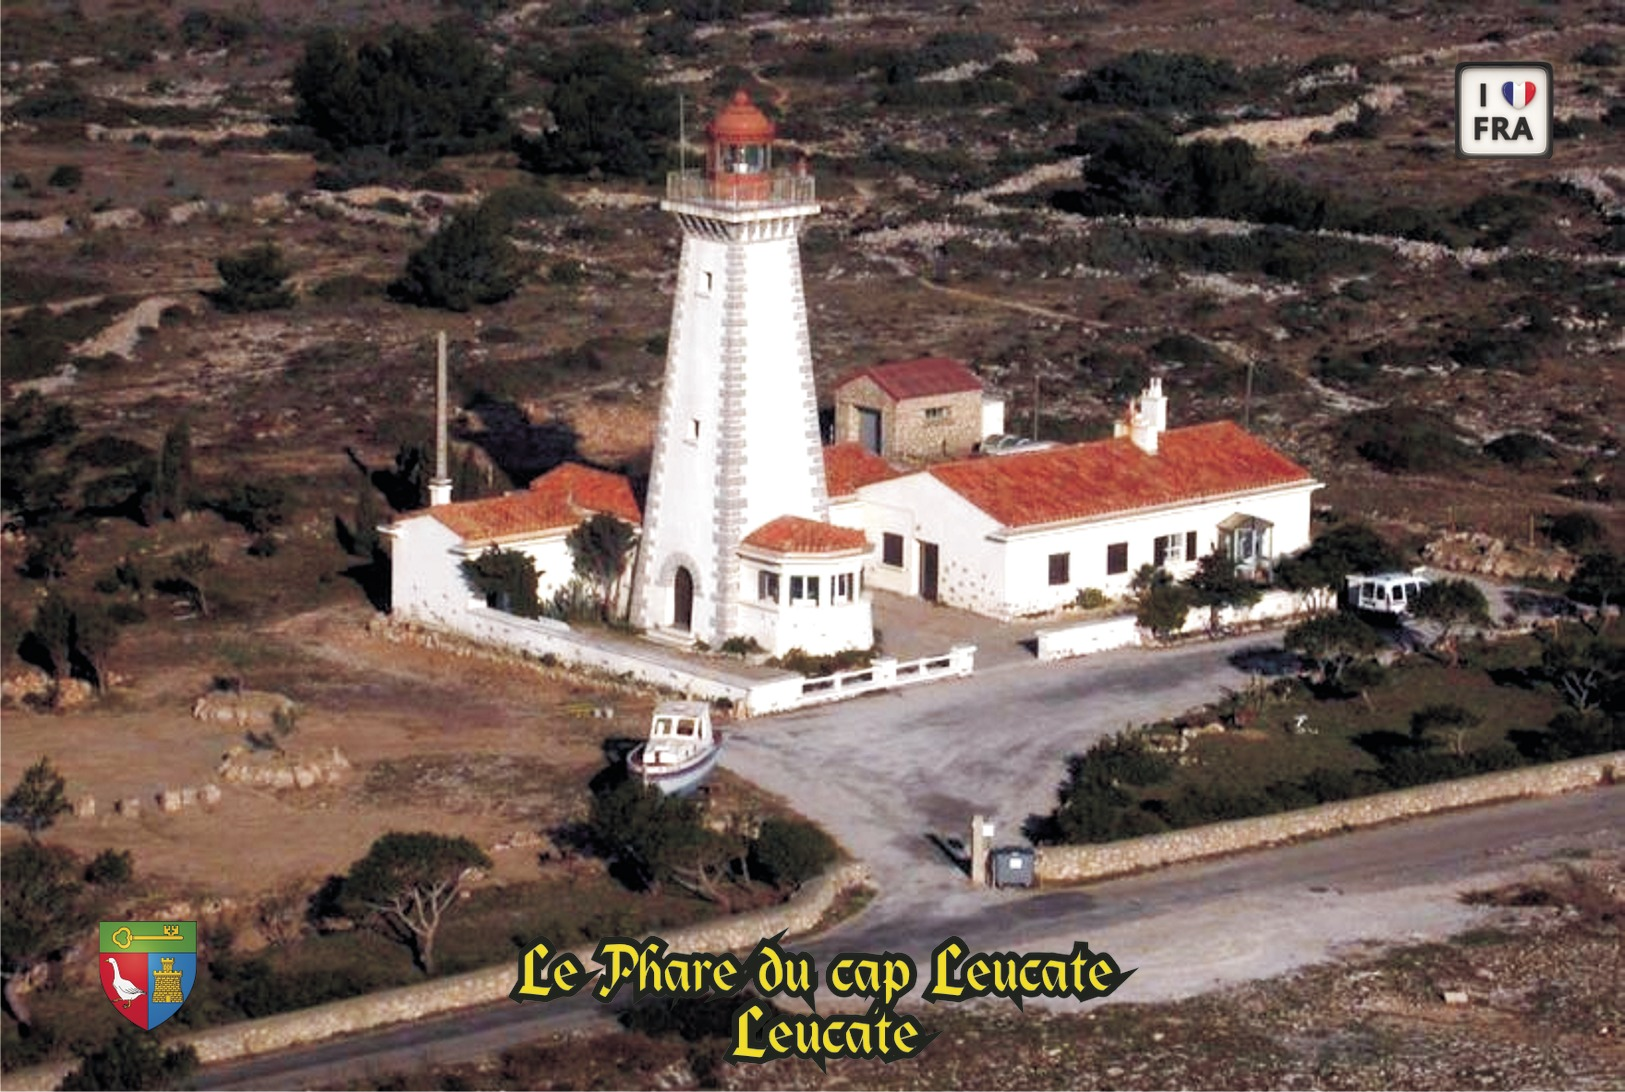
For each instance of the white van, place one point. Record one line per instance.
(1386, 593)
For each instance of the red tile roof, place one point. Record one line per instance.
(1096, 479)
(903, 379)
(796, 535)
(849, 467)
(558, 500)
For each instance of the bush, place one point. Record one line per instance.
(66, 177)
(253, 280)
(412, 94)
(789, 852)
(1091, 599)
(469, 260)
(109, 868)
(1405, 439)
(1520, 449)
(1575, 531)
(610, 116)
(1146, 79)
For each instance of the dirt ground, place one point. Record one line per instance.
(454, 744)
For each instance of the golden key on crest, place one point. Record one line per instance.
(123, 938)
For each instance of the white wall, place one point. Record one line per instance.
(969, 568)
(424, 578)
(820, 628)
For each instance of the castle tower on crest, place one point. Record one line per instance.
(738, 445)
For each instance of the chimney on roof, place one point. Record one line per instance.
(1147, 418)
(440, 484)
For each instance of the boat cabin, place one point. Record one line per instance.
(1386, 593)
(683, 723)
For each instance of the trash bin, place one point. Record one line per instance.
(1013, 866)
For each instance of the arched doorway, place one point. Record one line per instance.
(682, 615)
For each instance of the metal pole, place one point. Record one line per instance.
(1247, 402)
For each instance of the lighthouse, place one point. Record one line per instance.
(736, 541)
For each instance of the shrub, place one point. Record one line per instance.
(1520, 449)
(412, 94)
(1406, 439)
(1148, 79)
(67, 176)
(741, 646)
(1575, 531)
(789, 852)
(1091, 599)
(469, 260)
(109, 868)
(253, 280)
(609, 115)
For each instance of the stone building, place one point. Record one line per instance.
(915, 410)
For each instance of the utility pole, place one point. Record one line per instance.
(1247, 400)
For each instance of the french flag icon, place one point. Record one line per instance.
(1518, 93)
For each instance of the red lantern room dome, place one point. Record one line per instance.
(740, 122)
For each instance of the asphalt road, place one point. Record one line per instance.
(1186, 929)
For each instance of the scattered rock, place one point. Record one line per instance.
(245, 708)
(85, 807)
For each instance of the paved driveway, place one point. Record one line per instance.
(888, 772)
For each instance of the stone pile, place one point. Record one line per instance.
(278, 770)
(1486, 555)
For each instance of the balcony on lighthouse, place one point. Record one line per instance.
(739, 174)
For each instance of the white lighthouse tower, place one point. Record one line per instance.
(738, 461)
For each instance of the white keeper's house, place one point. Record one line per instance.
(753, 529)
(1024, 533)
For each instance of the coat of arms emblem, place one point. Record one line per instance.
(148, 967)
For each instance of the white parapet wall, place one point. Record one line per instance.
(885, 673)
(1084, 638)
(1103, 635)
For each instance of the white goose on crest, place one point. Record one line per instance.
(123, 986)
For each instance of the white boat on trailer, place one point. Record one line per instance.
(682, 748)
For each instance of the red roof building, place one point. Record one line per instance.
(1112, 477)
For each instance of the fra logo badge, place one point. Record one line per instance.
(147, 968)
(1504, 110)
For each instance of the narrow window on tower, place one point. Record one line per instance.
(705, 285)
(696, 424)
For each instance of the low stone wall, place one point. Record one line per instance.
(1074, 864)
(737, 933)
(885, 673)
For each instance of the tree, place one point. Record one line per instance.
(49, 550)
(1163, 604)
(53, 628)
(469, 260)
(659, 838)
(507, 579)
(1340, 552)
(1333, 642)
(600, 547)
(1452, 603)
(253, 280)
(132, 1059)
(368, 515)
(38, 799)
(94, 636)
(608, 115)
(30, 428)
(43, 913)
(789, 852)
(1448, 718)
(410, 95)
(171, 491)
(1585, 670)
(1599, 581)
(1217, 585)
(410, 881)
(189, 567)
